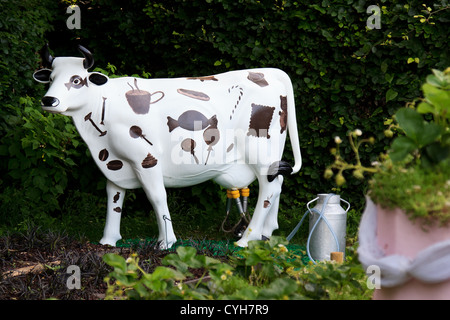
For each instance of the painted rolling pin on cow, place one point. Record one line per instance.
(162, 133)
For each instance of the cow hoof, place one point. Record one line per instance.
(109, 241)
(242, 243)
(163, 245)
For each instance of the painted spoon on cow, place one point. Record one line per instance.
(136, 132)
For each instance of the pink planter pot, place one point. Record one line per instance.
(398, 235)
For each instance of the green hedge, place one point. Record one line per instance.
(345, 75)
(40, 156)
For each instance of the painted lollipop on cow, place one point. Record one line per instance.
(191, 120)
(188, 145)
(211, 137)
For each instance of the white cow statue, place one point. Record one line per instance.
(159, 133)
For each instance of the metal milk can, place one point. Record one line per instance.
(327, 226)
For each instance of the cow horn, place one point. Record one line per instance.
(46, 57)
(88, 58)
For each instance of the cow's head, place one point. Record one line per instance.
(70, 81)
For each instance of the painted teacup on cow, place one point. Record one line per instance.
(140, 100)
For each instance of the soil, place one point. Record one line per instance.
(34, 266)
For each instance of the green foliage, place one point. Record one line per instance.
(340, 164)
(419, 135)
(45, 149)
(429, 140)
(37, 151)
(418, 179)
(22, 26)
(264, 270)
(345, 75)
(414, 173)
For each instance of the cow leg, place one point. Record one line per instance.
(271, 222)
(111, 233)
(166, 237)
(257, 226)
(153, 186)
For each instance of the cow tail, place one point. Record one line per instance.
(292, 123)
(278, 167)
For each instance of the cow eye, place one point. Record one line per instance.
(76, 82)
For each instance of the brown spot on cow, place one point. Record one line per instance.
(194, 94)
(139, 100)
(103, 111)
(260, 120)
(283, 113)
(103, 155)
(149, 162)
(191, 120)
(258, 78)
(207, 78)
(88, 117)
(115, 165)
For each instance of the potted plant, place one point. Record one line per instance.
(404, 232)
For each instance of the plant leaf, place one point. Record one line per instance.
(437, 152)
(425, 107)
(434, 81)
(401, 147)
(437, 97)
(186, 253)
(411, 122)
(431, 133)
(391, 95)
(116, 261)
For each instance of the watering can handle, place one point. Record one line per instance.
(307, 205)
(347, 204)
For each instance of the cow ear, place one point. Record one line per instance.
(98, 78)
(42, 76)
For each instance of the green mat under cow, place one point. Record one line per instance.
(209, 247)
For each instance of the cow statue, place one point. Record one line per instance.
(161, 133)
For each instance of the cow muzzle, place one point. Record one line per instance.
(48, 102)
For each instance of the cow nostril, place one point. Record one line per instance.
(49, 101)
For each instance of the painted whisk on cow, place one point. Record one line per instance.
(189, 113)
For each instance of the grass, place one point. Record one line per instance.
(421, 193)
